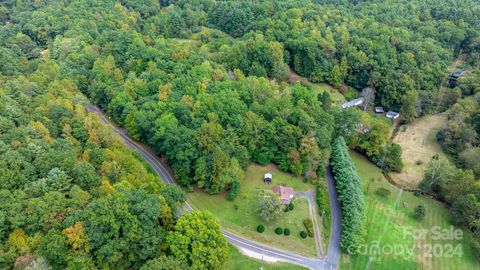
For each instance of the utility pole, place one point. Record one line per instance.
(261, 266)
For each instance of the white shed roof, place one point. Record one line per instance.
(267, 175)
(393, 115)
(352, 103)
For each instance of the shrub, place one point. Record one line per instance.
(235, 206)
(393, 158)
(286, 231)
(308, 226)
(303, 234)
(383, 192)
(260, 228)
(291, 206)
(286, 209)
(322, 197)
(232, 194)
(416, 193)
(419, 212)
(476, 248)
(279, 230)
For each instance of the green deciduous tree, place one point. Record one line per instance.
(174, 196)
(198, 241)
(409, 107)
(335, 77)
(268, 205)
(393, 158)
(325, 99)
(164, 263)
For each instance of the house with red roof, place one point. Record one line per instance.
(285, 193)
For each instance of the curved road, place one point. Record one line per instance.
(327, 263)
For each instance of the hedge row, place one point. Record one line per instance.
(350, 196)
(308, 226)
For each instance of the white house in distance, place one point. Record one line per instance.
(392, 115)
(353, 103)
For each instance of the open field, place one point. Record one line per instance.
(238, 261)
(390, 221)
(419, 145)
(244, 219)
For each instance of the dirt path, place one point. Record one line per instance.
(293, 77)
(443, 87)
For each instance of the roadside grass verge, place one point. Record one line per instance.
(326, 230)
(238, 261)
(240, 216)
(390, 220)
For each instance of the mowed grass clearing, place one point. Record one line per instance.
(238, 261)
(317, 88)
(419, 145)
(244, 220)
(388, 220)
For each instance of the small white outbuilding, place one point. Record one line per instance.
(267, 178)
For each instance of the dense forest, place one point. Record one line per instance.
(204, 83)
(203, 97)
(73, 197)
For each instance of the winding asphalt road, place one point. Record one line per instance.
(329, 262)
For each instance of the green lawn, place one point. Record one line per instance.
(326, 230)
(244, 220)
(238, 261)
(335, 95)
(317, 88)
(387, 220)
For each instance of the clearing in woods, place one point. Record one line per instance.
(419, 145)
(240, 216)
(317, 88)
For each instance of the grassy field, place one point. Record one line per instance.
(244, 219)
(317, 88)
(326, 230)
(419, 145)
(238, 261)
(390, 221)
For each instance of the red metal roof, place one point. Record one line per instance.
(285, 193)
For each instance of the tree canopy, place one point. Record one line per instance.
(205, 84)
